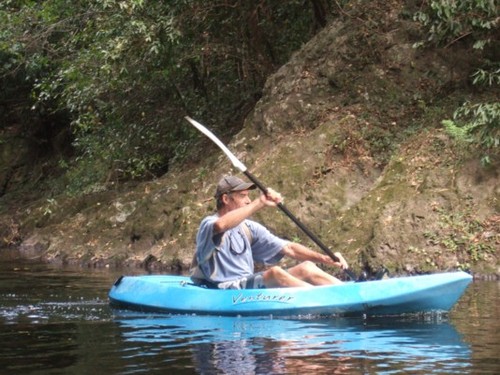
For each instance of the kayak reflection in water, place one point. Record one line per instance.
(263, 356)
(228, 245)
(309, 345)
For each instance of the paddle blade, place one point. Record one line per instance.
(238, 164)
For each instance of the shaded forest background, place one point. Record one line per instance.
(104, 85)
(94, 94)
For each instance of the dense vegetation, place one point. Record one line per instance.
(104, 84)
(474, 22)
(116, 77)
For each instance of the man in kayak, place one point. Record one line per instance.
(228, 244)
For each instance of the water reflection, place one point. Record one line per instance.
(249, 345)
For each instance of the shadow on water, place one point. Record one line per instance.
(249, 345)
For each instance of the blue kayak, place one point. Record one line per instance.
(177, 294)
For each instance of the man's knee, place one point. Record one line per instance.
(308, 267)
(275, 272)
(278, 277)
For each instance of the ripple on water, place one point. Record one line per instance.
(43, 312)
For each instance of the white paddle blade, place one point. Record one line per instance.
(238, 164)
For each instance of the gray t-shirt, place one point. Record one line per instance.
(230, 256)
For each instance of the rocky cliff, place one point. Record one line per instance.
(349, 131)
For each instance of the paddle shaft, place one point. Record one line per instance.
(306, 230)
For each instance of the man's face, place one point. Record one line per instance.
(237, 199)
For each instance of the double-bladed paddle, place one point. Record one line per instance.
(239, 165)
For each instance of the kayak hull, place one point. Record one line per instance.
(404, 295)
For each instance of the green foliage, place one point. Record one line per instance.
(478, 124)
(86, 175)
(50, 207)
(127, 71)
(448, 21)
(487, 77)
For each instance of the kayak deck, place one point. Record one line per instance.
(177, 294)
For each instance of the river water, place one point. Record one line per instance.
(57, 321)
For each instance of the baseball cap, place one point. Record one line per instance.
(229, 184)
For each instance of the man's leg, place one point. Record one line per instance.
(276, 277)
(312, 274)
